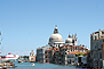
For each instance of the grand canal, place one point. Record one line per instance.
(41, 66)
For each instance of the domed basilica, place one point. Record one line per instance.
(59, 51)
(56, 39)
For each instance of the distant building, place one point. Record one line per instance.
(32, 57)
(97, 49)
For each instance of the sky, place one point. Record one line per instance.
(27, 24)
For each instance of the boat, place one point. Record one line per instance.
(20, 61)
(11, 57)
(5, 65)
(33, 64)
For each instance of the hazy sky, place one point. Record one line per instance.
(28, 24)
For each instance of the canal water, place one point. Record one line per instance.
(41, 66)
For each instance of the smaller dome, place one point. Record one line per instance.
(69, 39)
(69, 36)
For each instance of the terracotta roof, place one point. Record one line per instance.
(50, 49)
(73, 47)
(75, 52)
(56, 49)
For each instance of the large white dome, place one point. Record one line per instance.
(55, 37)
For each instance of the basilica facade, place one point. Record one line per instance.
(58, 51)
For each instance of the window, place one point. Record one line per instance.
(100, 55)
(102, 32)
(95, 37)
(31, 58)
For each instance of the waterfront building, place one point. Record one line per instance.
(32, 57)
(40, 56)
(70, 54)
(89, 60)
(59, 52)
(97, 49)
(55, 40)
(50, 55)
(66, 55)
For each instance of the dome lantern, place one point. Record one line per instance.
(56, 29)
